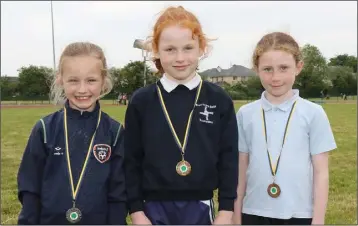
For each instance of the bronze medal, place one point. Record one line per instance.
(183, 168)
(274, 190)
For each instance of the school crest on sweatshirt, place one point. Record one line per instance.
(207, 113)
(102, 152)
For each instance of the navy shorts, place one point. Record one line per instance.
(179, 212)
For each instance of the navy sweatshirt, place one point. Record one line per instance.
(151, 153)
(44, 188)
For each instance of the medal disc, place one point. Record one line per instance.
(183, 168)
(73, 215)
(274, 190)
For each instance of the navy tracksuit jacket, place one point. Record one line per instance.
(44, 188)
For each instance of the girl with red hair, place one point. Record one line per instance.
(181, 140)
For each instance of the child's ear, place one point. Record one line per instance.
(106, 83)
(299, 67)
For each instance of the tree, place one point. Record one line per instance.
(339, 75)
(343, 79)
(116, 75)
(131, 77)
(254, 87)
(238, 91)
(8, 88)
(35, 81)
(353, 84)
(344, 60)
(251, 88)
(312, 79)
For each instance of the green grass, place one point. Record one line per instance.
(342, 206)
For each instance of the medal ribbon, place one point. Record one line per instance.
(180, 145)
(275, 167)
(75, 191)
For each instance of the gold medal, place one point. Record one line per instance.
(183, 168)
(74, 214)
(273, 189)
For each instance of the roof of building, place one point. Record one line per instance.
(235, 70)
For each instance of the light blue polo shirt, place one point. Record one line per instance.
(309, 133)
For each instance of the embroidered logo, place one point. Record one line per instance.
(57, 151)
(206, 113)
(102, 152)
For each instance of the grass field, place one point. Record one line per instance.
(16, 124)
(351, 99)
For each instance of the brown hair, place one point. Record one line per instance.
(80, 49)
(182, 17)
(276, 41)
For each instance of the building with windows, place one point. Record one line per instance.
(231, 75)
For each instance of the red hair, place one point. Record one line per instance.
(177, 16)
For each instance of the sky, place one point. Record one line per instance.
(26, 32)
